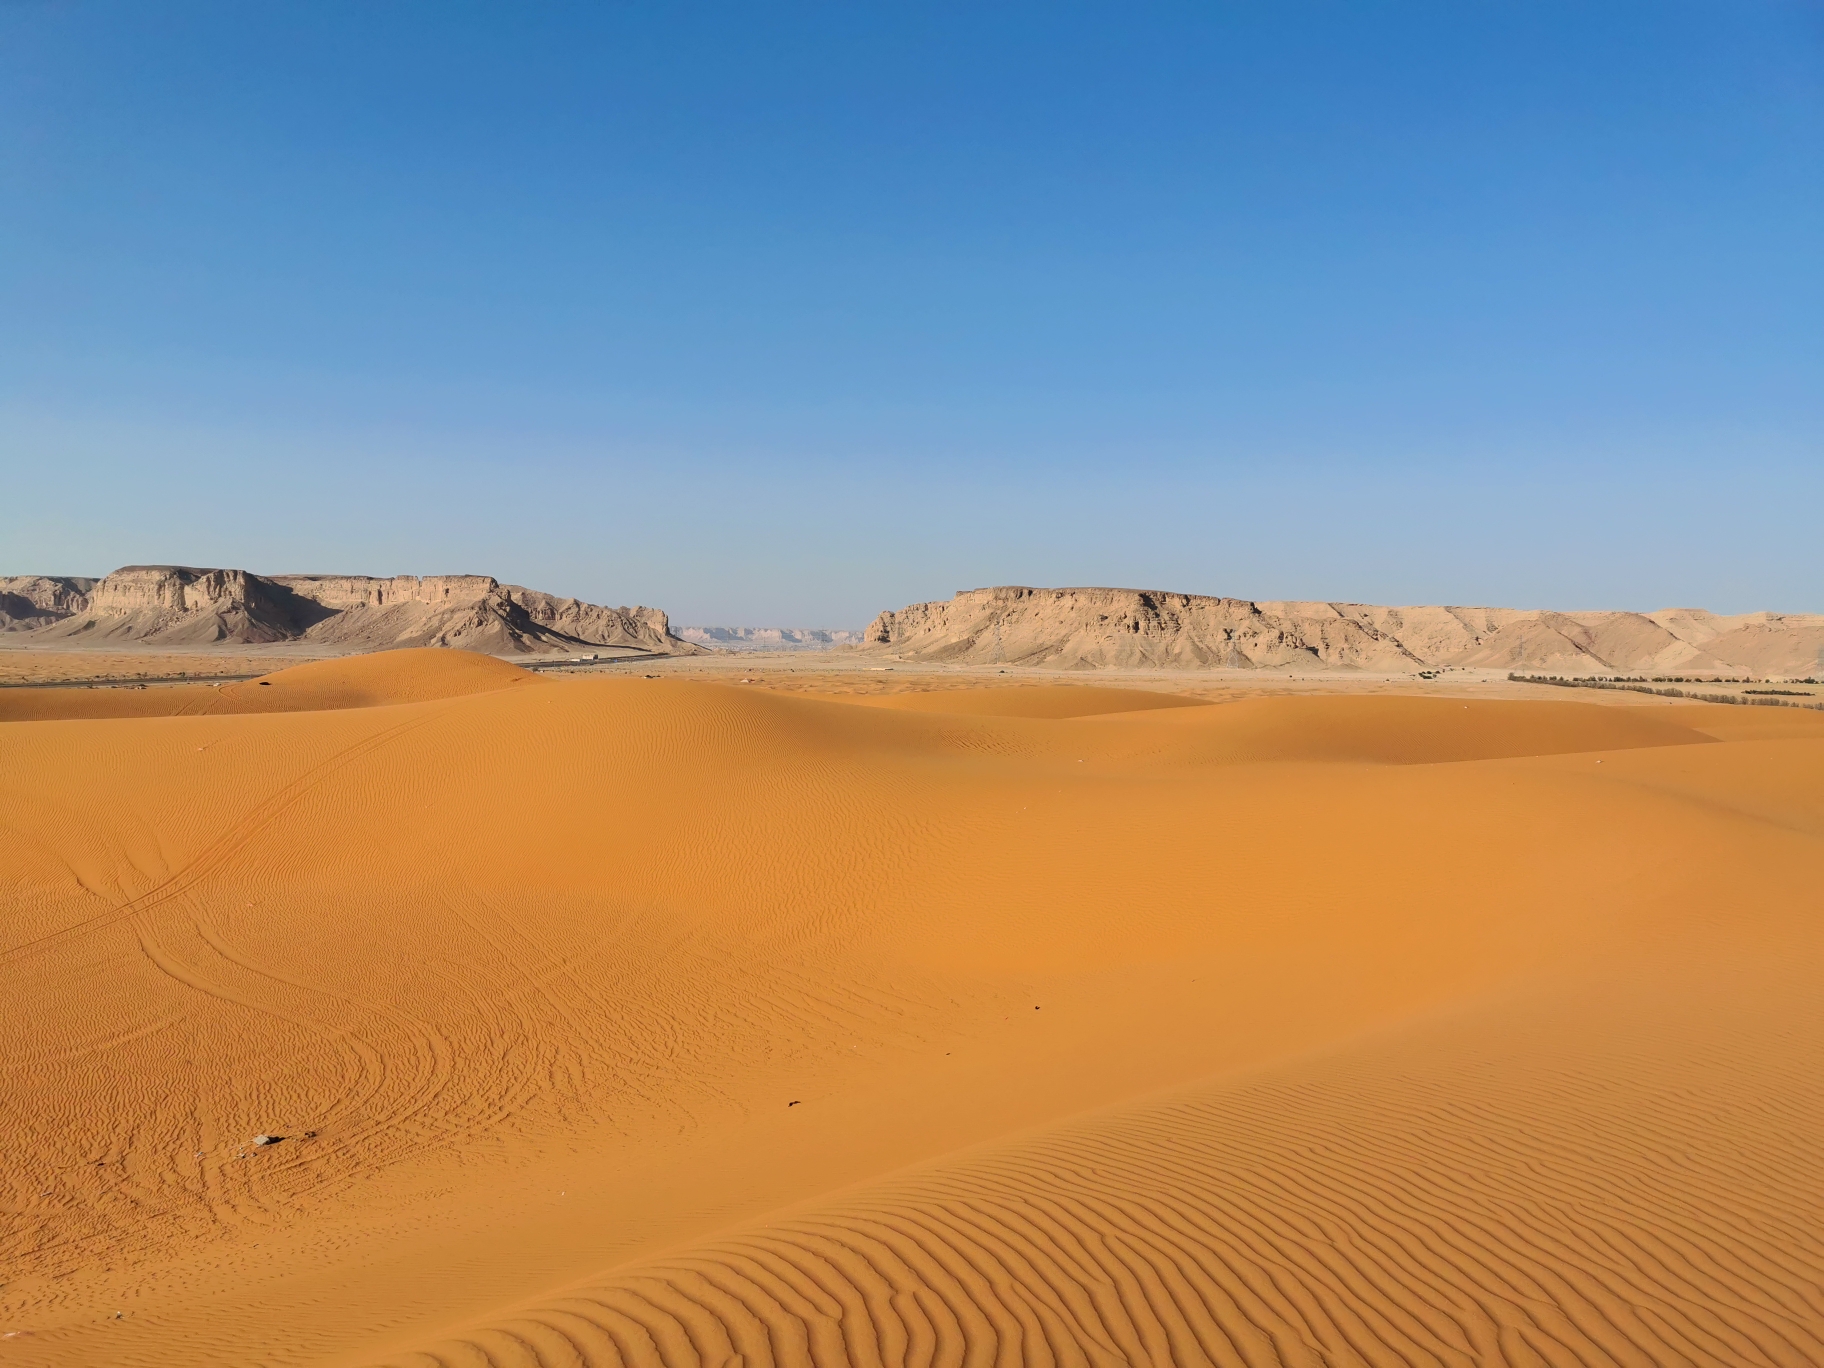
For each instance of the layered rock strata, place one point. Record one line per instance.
(1090, 628)
(28, 602)
(184, 605)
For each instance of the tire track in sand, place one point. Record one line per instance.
(222, 848)
(1648, 1191)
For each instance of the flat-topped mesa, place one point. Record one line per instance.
(187, 604)
(365, 591)
(168, 589)
(174, 604)
(1091, 628)
(1088, 628)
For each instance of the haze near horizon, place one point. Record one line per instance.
(788, 316)
(409, 957)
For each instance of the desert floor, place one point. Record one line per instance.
(905, 1017)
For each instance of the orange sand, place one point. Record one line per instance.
(414, 676)
(22, 664)
(622, 1020)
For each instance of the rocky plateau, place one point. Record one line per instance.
(173, 605)
(1098, 628)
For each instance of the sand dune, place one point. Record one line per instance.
(1449, 1196)
(637, 1020)
(38, 667)
(1033, 700)
(409, 676)
(1390, 730)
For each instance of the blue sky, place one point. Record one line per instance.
(788, 313)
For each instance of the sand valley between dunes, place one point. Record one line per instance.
(627, 1020)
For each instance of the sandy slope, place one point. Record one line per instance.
(1292, 1030)
(36, 666)
(1054, 701)
(409, 676)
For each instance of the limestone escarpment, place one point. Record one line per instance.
(185, 605)
(31, 601)
(1090, 628)
(342, 592)
(591, 621)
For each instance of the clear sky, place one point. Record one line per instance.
(784, 313)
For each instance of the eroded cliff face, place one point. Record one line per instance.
(28, 602)
(591, 621)
(180, 604)
(185, 605)
(174, 589)
(341, 592)
(1089, 628)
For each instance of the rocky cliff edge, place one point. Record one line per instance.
(1096, 628)
(177, 605)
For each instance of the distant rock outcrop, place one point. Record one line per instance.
(28, 602)
(178, 605)
(772, 638)
(1127, 628)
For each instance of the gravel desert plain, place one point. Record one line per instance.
(900, 1006)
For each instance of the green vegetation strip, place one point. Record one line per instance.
(1759, 699)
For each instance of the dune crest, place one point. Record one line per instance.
(1032, 700)
(414, 675)
(621, 1020)
(384, 678)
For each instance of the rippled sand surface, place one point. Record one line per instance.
(656, 1021)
